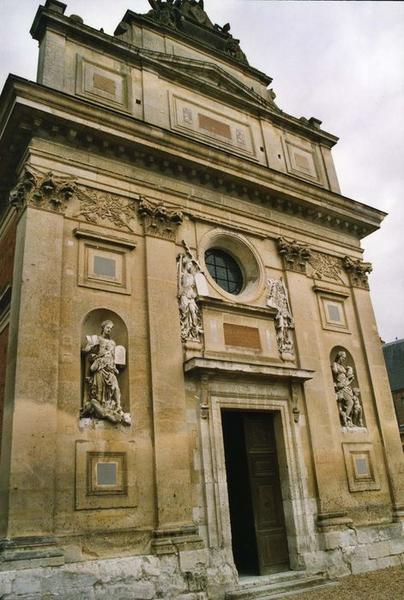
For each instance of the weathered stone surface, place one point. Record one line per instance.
(172, 143)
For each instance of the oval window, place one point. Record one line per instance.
(224, 270)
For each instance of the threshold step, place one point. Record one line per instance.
(279, 586)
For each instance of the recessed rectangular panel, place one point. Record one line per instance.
(106, 473)
(106, 85)
(241, 336)
(200, 121)
(360, 465)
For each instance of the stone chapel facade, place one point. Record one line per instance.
(191, 380)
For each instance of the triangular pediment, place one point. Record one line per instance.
(207, 75)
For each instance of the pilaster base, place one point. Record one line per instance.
(30, 552)
(172, 541)
(333, 520)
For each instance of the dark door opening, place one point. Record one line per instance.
(256, 509)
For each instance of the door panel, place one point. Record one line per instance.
(266, 495)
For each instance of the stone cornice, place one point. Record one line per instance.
(28, 109)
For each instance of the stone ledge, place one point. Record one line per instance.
(257, 369)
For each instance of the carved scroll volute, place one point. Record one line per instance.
(284, 323)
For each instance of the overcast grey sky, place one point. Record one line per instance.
(342, 62)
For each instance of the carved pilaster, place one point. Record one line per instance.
(46, 191)
(358, 272)
(295, 255)
(295, 402)
(159, 221)
(205, 397)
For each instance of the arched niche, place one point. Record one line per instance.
(346, 388)
(104, 367)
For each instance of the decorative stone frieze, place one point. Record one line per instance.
(325, 266)
(295, 255)
(101, 208)
(159, 221)
(358, 272)
(104, 394)
(347, 395)
(190, 313)
(278, 298)
(46, 191)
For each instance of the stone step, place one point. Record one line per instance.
(277, 586)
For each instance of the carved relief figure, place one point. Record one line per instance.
(348, 398)
(190, 317)
(104, 394)
(284, 323)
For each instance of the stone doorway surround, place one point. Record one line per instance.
(298, 508)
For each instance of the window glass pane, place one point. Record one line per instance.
(224, 270)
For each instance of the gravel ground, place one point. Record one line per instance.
(387, 584)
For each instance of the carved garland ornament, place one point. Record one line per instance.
(326, 266)
(159, 221)
(46, 191)
(190, 313)
(284, 323)
(99, 208)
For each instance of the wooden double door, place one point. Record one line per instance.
(255, 499)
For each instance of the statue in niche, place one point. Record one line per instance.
(104, 394)
(284, 322)
(348, 397)
(190, 317)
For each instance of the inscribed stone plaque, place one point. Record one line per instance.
(104, 83)
(241, 336)
(214, 126)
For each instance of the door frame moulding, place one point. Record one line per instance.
(296, 505)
